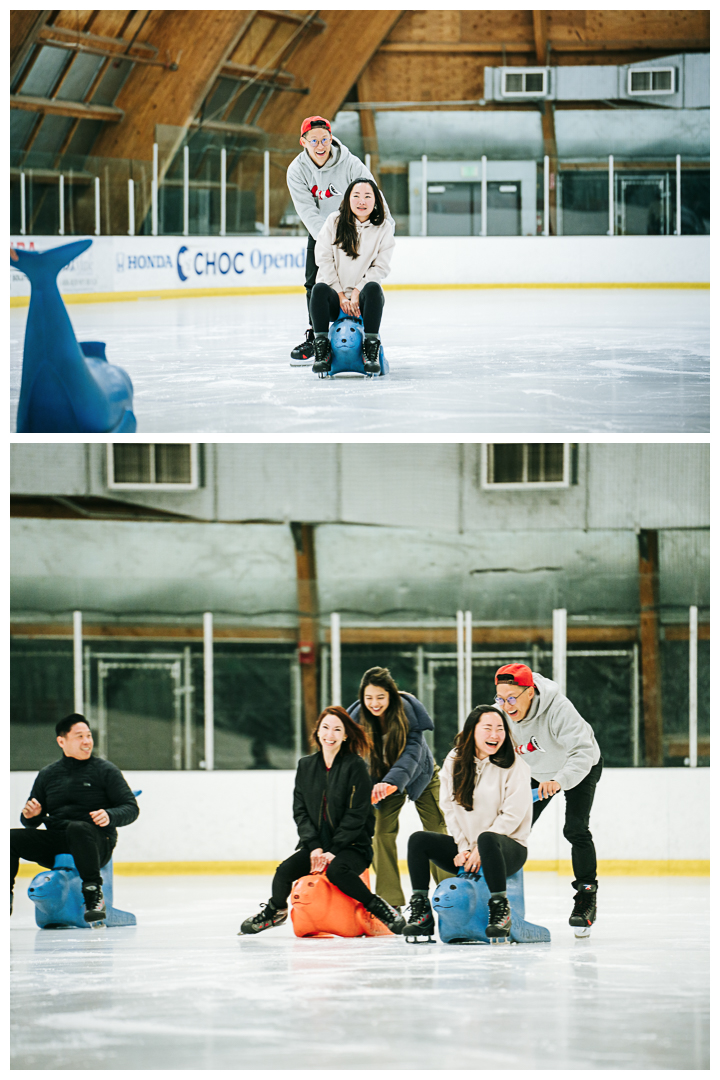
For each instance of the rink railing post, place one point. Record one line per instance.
(423, 196)
(559, 657)
(154, 191)
(368, 162)
(61, 196)
(78, 705)
(611, 195)
(678, 198)
(468, 662)
(209, 688)
(461, 669)
(296, 706)
(131, 207)
(266, 192)
(546, 195)
(223, 191)
(335, 660)
(483, 196)
(186, 190)
(97, 205)
(693, 689)
(22, 204)
(636, 705)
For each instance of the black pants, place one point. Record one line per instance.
(344, 871)
(87, 843)
(578, 803)
(325, 306)
(500, 857)
(310, 272)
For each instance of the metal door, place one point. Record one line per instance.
(642, 204)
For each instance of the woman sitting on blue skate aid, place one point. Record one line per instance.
(486, 797)
(353, 254)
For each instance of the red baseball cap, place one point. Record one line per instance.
(309, 121)
(521, 674)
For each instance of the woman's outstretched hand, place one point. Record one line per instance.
(381, 791)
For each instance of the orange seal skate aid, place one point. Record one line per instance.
(320, 909)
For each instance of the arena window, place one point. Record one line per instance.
(529, 465)
(651, 81)
(160, 466)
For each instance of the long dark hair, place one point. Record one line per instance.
(346, 236)
(396, 722)
(357, 740)
(465, 750)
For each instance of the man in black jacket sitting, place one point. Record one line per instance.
(80, 799)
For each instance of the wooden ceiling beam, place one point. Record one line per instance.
(634, 45)
(116, 45)
(114, 54)
(25, 29)
(231, 70)
(67, 108)
(290, 17)
(541, 38)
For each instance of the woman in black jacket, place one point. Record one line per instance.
(335, 820)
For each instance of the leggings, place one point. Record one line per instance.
(88, 845)
(500, 857)
(325, 307)
(344, 871)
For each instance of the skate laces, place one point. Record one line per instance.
(584, 902)
(497, 908)
(417, 907)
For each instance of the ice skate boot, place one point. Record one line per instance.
(499, 920)
(387, 914)
(584, 911)
(420, 928)
(94, 902)
(322, 362)
(268, 916)
(302, 354)
(371, 355)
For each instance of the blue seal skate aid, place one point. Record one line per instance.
(67, 386)
(58, 899)
(460, 907)
(346, 338)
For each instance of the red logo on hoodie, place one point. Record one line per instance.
(529, 747)
(327, 194)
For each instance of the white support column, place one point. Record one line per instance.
(266, 192)
(97, 205)
(462, 715)
(546, 195)
(368, 162)
(209, 691)
(483, 196)
(611, 196)
(223, 191)
(61, 196)
(636, 706)
(23, 212)
(560, 648)
(335, 660)
(693, 687)
(78, 706)
(186, 190)
(155, 191)
(468, 662)
(678, 198)
(131, 207)
(423, 197)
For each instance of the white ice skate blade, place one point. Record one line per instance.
(582, 931)
(302, 363)
(349, 375)
(420, 939)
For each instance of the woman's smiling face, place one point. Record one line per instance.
(376, 700)
(362, 201)
(489, 734)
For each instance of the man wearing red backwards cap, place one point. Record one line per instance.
(317, 179)
(563, 755)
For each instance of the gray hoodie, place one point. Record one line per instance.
(316, 192)
(553, 738)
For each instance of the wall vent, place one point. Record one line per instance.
(524, 82)
(651, 81)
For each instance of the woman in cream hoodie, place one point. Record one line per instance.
(353, 253)
(486, 798)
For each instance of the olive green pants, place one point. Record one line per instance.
(385, 860)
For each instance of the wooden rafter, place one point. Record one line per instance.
(25, 29)
(55, 34)
(540, 32)
(67, 108)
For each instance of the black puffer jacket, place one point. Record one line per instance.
(69, 789)
(413, 770)
(350, 815)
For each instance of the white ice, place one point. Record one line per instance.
(183, 991)
(512, 361)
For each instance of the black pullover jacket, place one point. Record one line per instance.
(347, 787)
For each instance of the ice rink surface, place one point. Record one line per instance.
(183, 991)
(508, 360)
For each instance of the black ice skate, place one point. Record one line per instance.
(268, 916)
(387, 914)
(584, 911)
(322, 355)
(94, 902)
(499, 921)
(371, 355)
(420, 928)
(303, 353)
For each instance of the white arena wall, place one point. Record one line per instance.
(643, 820)
(124, 268)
